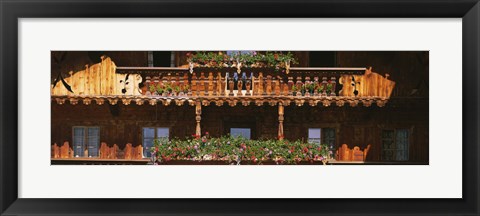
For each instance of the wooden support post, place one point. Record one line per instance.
(280, 121)
(198, 113)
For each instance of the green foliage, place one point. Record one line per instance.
(160, 90)
(275, 60)
(168, 88)
(152, 88)
(176, 89)
(236, 149)
(294, 88)
(186, 87)
(329, 87)
(320, 88)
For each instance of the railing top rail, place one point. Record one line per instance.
(182, 69)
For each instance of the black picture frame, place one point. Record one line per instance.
(11, 11)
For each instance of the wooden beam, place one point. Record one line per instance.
(198, 118)
(280, 121)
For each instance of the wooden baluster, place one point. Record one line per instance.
(147, 85)
(248, 85)
(220, 84)
(285, 90)
(307, 83)
(272, 85)
(282, 87)
(202, 84)
(205, 85)
(299, 86)
(194, 84)
(174, 84)
(324, 84)
(239, 87)
(186, 85)
(315, 82)
(260, 84)
(198, 117)
(155, 84)
(181, 85)
(210, 84)
(290, 85)
(280, 121)
(269, 85)
(334, 84)
(231, 84)
(164, 85)
(278, 87)
(214, 87)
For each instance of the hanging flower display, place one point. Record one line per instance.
(280, 61)
(237, 149)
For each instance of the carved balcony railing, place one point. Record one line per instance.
(105, 82)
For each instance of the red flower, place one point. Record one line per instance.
(305, 149)
(275, 56)
(206, 133)
(189, 54)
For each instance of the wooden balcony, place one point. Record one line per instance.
(104, 82)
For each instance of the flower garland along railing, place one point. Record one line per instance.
(277, 60)
(235, 150)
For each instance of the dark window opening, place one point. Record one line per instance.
(322, 59)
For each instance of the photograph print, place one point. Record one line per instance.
(239, 107)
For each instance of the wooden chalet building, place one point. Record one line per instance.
(110, 116)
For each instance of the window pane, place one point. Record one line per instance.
(401, 140)
(149, 132)
(388, 145)
(78, 141)
(162, 133)
(147, 143)
(395, 144)
(242, 132)
(328, 136)
(314, 135)
(93, 141)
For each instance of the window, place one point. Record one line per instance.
(322, 135)
(322, 59)
(150, 134)
(86, 138)
(243, 132)
(395, 145)
(161, 59)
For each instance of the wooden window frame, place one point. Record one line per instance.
(155, 136)
(85, 140)
(394, 129)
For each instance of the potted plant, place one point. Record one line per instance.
(176, 90)
(159, 90)
(311, 88)
(294, 90)
(329, 88)
(320, 90)
(186, 90)
(303, 89)
(152, 89)
(168, 90)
